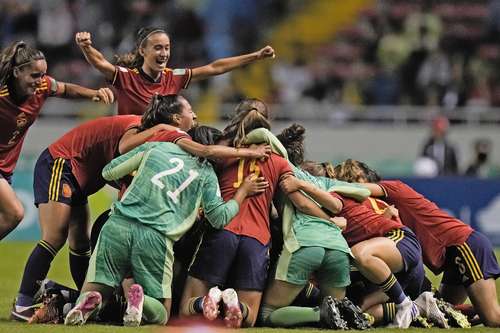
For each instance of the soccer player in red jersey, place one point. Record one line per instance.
(238, 256)
(464, 255)
(142, 73)
(24, 87)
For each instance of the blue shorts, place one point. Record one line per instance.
(469, 262)
(53, 180)
(412, 276)
(229, 260)
(7, 177)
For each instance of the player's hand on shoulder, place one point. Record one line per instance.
(83, 39)
(254, 185)
(266, 52)
(289, 184)
(261, 151)
(104, 95)
(391, 212)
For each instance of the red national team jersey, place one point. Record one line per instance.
(253, 217)
(134, 90)
(435, 229)
(91, 146)
(363, 222)
(378, 206)
(16, 119)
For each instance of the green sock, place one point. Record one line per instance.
(153, 311)
(291, 316)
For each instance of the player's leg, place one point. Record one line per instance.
(481, 269)
(108, 265)
(11, 209)
(150, 298)
(292, 273)
(334, 277)
(79, 243)
(50, 184)
(210, 266)
(377, 259)
(54, 220)
(248, 277)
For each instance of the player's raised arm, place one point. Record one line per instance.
(224, 65)
(93, 56)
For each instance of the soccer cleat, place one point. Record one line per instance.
(421, 322)
(232, 311)
(22, 313)
(406, 312)
(51, 310)
(352, 314)
(84, 309)
(41, 292)
(135, 302)
(455, 317)
(211, 302)
(329, 315)
(427, 305)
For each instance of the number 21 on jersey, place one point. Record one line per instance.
(179, 165)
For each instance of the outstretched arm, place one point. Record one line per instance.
(132, 138)
(70, 90)
(93, 56)
(224, 65)
(325, 199)
(375, 189)
(219, 151)
(306, 205)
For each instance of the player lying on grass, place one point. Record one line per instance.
(464, 255)
(141, 74)
(24, 88)
(158, 207)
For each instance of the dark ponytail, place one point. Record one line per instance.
(161, 110)
(134, 59)
(293, 139)
(17, 54)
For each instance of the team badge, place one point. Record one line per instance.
(66, 190)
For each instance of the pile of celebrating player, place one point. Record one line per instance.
(228, 225)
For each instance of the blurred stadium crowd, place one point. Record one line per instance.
(396, 52)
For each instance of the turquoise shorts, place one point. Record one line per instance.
(330, 267)
(126, 246)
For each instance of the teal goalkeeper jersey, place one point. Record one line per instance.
(168, 188)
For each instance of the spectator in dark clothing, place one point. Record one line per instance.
(480, 166)
(440, 150)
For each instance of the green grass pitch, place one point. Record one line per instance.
(13, 256)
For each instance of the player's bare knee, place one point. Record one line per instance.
(13, 215)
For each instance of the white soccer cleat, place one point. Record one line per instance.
(406, 312)
(427, 305)
(211, 303)
(135, 303)
(232, 315)
(84, 309)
